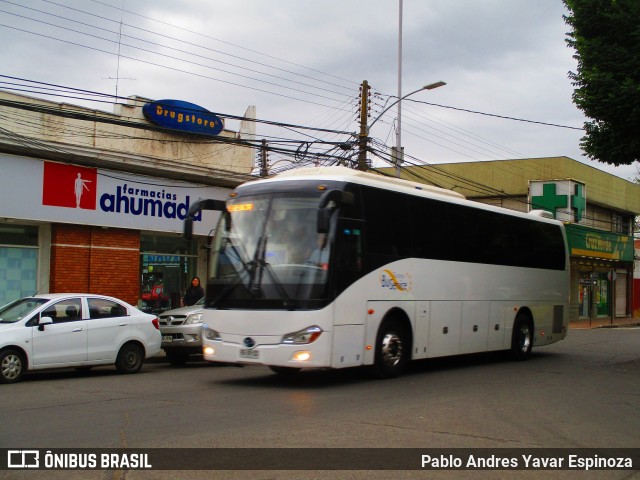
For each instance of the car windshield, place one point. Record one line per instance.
(16, 311)
(267, 254)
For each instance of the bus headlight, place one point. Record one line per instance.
(210, 333)
(308, 335)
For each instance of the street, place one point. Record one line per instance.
(581, 392)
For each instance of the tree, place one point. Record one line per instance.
(606, 38)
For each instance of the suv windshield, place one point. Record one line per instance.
(16, 311)
(268, 254)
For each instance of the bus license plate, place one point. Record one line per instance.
(249, 353)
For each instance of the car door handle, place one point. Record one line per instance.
(79, 329)
(123, 324)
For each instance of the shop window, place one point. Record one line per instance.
(18, 261)
(18, 235)
(167, 264)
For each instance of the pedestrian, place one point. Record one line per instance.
(194, 293)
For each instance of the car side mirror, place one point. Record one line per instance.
(44, 321)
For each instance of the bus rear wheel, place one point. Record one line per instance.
(392, 348)
(522, 339)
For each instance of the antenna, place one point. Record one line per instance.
(117, 78)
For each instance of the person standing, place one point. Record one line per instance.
(194, 293)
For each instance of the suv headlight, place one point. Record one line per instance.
(308, 335)
(193, 319)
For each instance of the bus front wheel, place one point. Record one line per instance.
(392, 348)
(522, 339)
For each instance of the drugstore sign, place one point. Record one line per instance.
(185, 116)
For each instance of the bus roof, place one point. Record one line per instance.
(344, 174)
(366, 178)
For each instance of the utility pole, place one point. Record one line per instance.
(363, 139)
(398, 148)
(264, 172)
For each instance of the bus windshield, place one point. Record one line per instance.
(267, 253)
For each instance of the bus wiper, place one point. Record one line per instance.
(247, 268)
(261, 265)
(288, 302)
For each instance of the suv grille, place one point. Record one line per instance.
(169, 320)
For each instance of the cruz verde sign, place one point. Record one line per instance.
(184, 116)
(588, 242)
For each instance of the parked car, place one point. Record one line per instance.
(181, 330)
(74, 330)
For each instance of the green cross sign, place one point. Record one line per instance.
(578, 202)
(549, 200)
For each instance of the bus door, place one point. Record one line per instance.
(349, 310)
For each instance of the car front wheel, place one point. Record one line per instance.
(12, 366)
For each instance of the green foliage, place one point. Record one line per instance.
(606, 37)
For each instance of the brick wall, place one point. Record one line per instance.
(95, 260)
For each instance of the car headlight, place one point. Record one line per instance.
(193, 319)
(308, 335)
(210, 333)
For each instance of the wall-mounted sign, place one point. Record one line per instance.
(184, 116)
(67, 193)
(566, 199)
(589, 242)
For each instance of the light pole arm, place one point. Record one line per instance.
(431, 86)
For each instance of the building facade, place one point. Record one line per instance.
(598, 210)
(94, 202)
(636, 281)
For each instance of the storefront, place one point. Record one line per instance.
(601, 272)
(167, 265)
(66, 227)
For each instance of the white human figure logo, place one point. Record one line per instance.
(79, 187)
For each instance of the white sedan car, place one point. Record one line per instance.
(74, 330)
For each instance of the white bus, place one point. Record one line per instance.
(330, 267)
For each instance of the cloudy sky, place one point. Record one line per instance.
(301, 62)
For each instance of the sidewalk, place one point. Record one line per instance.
(605, 323)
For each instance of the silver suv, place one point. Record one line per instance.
(181, 331)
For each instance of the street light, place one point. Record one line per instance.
(431, 86)
(398, 147)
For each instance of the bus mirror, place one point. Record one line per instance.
(188, 228)
(338, 197)
(209, 204)
(323, 223)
